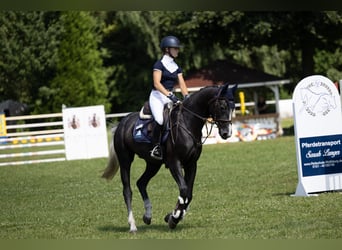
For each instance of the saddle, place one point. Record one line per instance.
(144, 126)
(145, 112)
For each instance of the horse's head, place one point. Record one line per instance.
(221, 108)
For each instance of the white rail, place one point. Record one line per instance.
(40, 136)
(32, 142)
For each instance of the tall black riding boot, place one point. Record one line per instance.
(156, 152)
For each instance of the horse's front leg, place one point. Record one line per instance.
(178, 213)
(150, 171)
(184, 196)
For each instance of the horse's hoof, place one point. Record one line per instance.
(166, 218)
(172, 223)
(147, 220)
(133, 231)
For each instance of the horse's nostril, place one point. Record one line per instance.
(224, 135)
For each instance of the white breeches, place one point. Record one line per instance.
(157, 102)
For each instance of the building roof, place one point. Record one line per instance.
(222, 71)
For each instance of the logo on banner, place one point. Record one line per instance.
(74, 122)
(94, 120)
(317, 98)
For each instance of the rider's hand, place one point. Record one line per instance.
(173, 98)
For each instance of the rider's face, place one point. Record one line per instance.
(174, 52)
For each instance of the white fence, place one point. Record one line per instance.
(39, 138)
(44, 133)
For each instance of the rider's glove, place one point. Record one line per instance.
(173, 98)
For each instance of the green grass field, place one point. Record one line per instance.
(242, 191)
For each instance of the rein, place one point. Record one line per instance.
(203, 119)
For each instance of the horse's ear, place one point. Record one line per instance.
(223, 90)
(231, 92)
(233, 89)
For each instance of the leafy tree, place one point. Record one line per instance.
(302, 34)
(28, 47)
(329, 64)
(286, 44)
(133, 41)
(80, 75)
(52, 58)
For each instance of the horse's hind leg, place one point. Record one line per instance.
(150, 171)
(125, 169)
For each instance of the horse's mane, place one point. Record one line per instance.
(229, 95)
(200, 92)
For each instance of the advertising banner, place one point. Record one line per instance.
(318, 133)
(321, 155)
(85, 132)
(245, 128)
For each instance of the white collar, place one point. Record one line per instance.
(169, 63)
(167, 58)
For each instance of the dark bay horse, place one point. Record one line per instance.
(182, 148)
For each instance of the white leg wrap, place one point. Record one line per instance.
(176, 213)
(131, 222)
(181, 200)
(148, 208)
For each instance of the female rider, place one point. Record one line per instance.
(166, 74)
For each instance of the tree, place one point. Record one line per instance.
(132, 37)
(80, 75)
(28, 48)
(293, 41)
(52, 58)
(302, 34)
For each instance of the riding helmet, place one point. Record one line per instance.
(170, 42)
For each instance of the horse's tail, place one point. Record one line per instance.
(113, 163)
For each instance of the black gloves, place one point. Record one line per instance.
(173, 98)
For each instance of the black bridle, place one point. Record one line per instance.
(216, 108)
(212, 119)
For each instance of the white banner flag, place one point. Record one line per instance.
(85, 132)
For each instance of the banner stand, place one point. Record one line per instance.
(300, 191)
(318, 136)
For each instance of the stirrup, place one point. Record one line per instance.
(156, 152)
